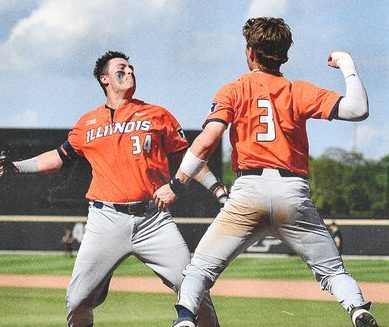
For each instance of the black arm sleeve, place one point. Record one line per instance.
(335, 110)
(66, 152)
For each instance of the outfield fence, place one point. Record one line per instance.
(366, 237)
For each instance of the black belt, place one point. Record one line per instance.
(136, 208)
(259, 171)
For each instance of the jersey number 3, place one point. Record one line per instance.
(266, 119)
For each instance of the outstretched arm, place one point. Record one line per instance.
(192, 165)
(201, 150)
(354, 105)
(206, 178)
(44, 163)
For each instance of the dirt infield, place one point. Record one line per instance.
(280, 289)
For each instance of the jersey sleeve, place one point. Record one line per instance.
(175, 139)
(222, 106)
(66, 152)
(76, 138)
(315, 102)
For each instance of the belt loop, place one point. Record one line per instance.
(98, 204)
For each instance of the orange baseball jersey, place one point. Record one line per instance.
(268, 117)
(127, 150)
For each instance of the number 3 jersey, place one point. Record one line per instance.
(127, 150)
(268, 117)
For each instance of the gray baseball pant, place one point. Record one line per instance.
(110, 237)
(260, 206)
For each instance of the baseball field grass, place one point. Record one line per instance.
(33, 307)
(260, 267)
(45, 308)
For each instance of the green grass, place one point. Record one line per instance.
(55, 264)
(291, 268)
(46, 308)
(21, 307)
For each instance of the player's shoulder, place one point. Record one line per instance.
(149, 106)
(155, 110)
(232, 85)
(305, 88)
(251, 78)
(300, 84)
(93, 112)
(236, 86)
(90, 116)
(240, 80)
(245, 76)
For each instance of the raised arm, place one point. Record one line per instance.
(354, 105)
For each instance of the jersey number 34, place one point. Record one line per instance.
(138, 145)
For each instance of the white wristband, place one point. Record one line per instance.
(191, 165)
(208, 180)
(27, 166)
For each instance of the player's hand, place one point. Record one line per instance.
(163, 197)
(220, 192)
(340, 59)
(6, 166)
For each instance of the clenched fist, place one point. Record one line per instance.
(342, 60)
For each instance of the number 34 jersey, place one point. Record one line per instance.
(268, 117)
(127, 150)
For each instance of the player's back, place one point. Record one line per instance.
(268, 120)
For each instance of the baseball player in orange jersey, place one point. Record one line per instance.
(267, 115)
(127, 143)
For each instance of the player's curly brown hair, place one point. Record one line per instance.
(270, 38)
(101, 66)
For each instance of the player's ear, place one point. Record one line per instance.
(104, 79)
(250, 53)
(251, 58)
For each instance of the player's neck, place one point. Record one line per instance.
(115, 101)
(262, 69)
